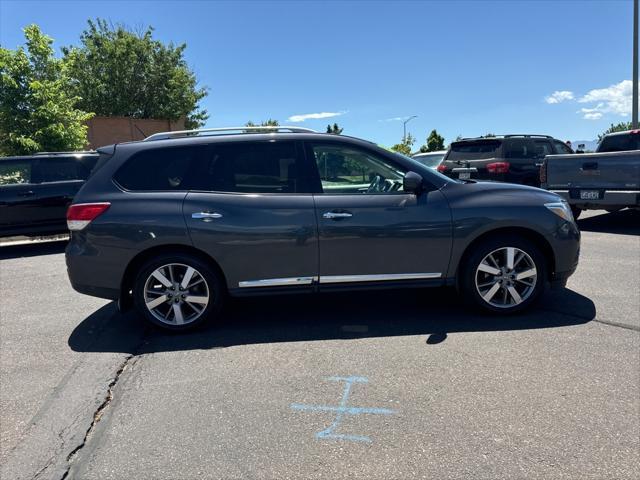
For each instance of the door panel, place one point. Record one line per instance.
(258, 240)
(369, 229)
(59, 178)
(17, 205)
(52, 199)
(392, 237)
(16, 194)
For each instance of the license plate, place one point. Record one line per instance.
(589, 194)
(464, 175)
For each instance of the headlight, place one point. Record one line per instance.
(561, 209)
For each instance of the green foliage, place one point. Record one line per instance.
(405, 145)
(37, 112)
(618, 127)
(335, 129)
(265, 123)
(435, 142)
(118, 72)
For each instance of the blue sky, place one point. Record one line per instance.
(464, 67)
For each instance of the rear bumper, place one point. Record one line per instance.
(608, 198)
(93, 271)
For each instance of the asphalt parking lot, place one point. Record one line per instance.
(368, 385)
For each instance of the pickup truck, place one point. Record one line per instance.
(608, 179)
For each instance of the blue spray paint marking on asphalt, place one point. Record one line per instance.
(341, 410)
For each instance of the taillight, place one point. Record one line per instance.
(442, 168)
(82, 214)
(498, 167)
(543, 172)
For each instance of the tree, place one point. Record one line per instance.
(618, 127)
(405, 145)
(118, 72)
(264, 123)
(435, 142)
(37, 112)
(335, 129)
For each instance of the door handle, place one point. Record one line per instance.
(26, 193)
(336, 215)
(590, 166)
(206, 216)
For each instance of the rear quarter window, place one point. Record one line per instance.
(15, 172)
(161, 169)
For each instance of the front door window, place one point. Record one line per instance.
(345, 170)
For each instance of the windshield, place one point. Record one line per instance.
(620, 143)
(474, 150)
(430, 160)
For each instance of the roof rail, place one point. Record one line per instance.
(82, 152)
(223, 131)
(527, 135)
(510, 135)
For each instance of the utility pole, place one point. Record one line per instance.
(404, 124)
(634, 80)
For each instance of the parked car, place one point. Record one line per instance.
(506, 158)
(430, 159)
(36, 190)
(176, 222)
(608, 179)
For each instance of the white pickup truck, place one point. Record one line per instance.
(608, 179)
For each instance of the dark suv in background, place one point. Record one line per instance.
(36, 190)
(506, 158)
(174, 223)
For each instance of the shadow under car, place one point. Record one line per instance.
(433, 313)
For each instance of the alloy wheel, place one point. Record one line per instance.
(506, 277)
(176, 294)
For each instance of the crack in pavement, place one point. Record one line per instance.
(64, 423)
(96, 416)
(635, 328)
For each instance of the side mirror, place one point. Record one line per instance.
(412, 183)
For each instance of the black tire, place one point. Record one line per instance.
(576, 212)
(469, 272)
(212, 287)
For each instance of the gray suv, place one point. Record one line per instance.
(175, 223)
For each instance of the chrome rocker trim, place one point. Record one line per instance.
(280, 282)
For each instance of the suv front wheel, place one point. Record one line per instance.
(504, 275)
(177, 292)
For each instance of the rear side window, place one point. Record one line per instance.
(159, 169)
(257, 167)
(60, 170)
(620, 143)
(561, 147)
(474, 150)
(527, 148)
(15, 172)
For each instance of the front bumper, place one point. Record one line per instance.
(566, 247)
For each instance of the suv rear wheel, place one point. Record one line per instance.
(504, 275)
(177, 292)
